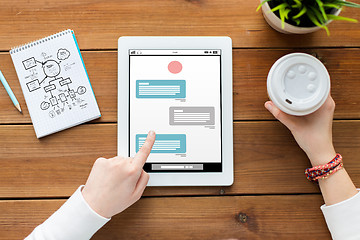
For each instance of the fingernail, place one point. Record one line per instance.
(268, 106)
(151, 133)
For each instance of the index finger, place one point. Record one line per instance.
(143, 153)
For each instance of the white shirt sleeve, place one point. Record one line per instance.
(75, 219)
(343, 218)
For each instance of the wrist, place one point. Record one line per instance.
(93, 203)
(322, 157)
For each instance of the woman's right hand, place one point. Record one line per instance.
(115, 184)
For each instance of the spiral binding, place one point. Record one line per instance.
(39, 41)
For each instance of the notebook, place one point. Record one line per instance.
(55, 83)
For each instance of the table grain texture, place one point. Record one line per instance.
(270, 197)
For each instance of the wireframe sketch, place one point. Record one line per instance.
(48, 76)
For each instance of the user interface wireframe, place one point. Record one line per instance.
(177, 93)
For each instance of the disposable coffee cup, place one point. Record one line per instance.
(298, 84)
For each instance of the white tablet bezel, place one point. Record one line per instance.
(224, 178)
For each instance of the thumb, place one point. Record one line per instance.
(284, 118)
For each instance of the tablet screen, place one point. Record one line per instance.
(176, 93)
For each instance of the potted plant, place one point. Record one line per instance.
(303, 16)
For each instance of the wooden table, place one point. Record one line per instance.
(270, 198)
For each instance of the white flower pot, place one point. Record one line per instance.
(275, 22)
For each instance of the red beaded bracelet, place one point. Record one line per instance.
(337, 168)
(324, 171)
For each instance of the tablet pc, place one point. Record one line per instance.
(180, 87)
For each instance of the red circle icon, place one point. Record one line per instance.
(175, 67)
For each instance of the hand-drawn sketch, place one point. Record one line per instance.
(33, 85)
(29, 63)
(60, 92)
(44, 105)
(63, 54)
(52, 114)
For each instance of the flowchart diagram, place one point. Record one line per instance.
(48, 76)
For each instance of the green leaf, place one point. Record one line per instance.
(312, 17)
(334, 17)
(280, 6)
(346, 3)
(297, 21)
(302, 12)
(318, 15)
(297, 4)
(322, 10)
(262, 3)
(282, 17)
(286, 13)
(331, 5)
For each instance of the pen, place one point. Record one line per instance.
(10, 92)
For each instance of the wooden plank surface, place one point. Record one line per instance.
(268, 217)
(267, 160)
(249, 83)
(98, 24)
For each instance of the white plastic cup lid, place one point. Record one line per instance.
(298, 84)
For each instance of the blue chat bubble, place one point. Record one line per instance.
(164, 143)
(160, 89)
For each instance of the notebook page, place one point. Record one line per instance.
(55, 83)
